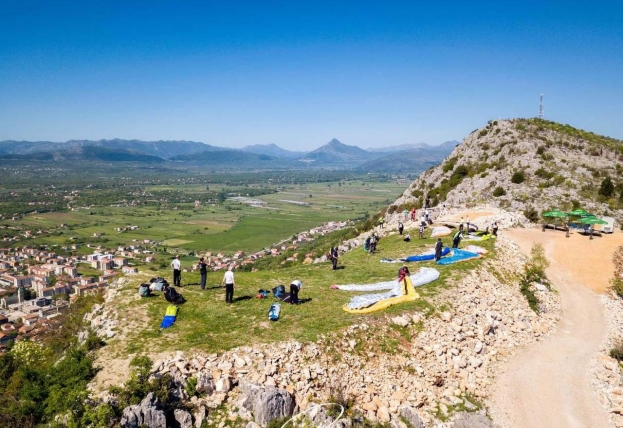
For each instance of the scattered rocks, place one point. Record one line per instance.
(148, 413)
(606, 374)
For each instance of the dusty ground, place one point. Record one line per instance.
(546, 384)
(472, 215)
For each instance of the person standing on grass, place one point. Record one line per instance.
(421, 230)
(467, 222)
(177, 271)
(228, 282)
(295, 287)
(334, 255)
(401, 227)
(461, 224)
(203, 273)
(438, 249)
(456, 240)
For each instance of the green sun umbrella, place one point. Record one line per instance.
(554, 213)
(592, 220)
(578, 213)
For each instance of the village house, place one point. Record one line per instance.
(108, 276)
(90, 288)
(57, 289)
(30, 319)
(119, 262)
(129, 270)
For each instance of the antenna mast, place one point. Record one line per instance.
(541, 108)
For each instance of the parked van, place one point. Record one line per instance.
(608, 228)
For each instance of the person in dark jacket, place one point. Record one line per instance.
(295, 287)
(438, 249)
(334, 255)
(401, 227)
(203, 273)
(456, 239)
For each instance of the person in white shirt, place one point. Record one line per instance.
(177, 271)
(295, 287)
(228, 283)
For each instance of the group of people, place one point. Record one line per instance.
(229, 281)
(371, 242)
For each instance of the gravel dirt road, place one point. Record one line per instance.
(546, 384)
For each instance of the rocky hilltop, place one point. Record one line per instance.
(527, 165)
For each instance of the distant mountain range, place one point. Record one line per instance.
(334, 154)
(272, 150)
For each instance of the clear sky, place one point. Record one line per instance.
(298, 73)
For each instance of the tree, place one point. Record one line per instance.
(607, 187)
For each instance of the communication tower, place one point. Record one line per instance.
(541, 108)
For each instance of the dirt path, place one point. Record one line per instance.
(546, 384)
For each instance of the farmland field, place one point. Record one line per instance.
(248, 217)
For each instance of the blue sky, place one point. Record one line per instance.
(297, 74)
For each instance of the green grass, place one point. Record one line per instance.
(206, 323)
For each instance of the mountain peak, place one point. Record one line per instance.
(527, 164)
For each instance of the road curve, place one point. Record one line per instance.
(546, 384)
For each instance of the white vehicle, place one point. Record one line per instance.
(608, 228)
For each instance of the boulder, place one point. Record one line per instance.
(200, 416)
(402, 322)
(411, 418)
(205, 383)
(148, 413)
(473, 420)
(266, 403)
(182, 419)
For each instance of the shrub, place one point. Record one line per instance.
(540, 150)
(499, 191)
(617, 287)
(392, 209)
(617, 351)
(531, 214)
(518, 177)
(607, 187)
(534, 271)
(416, 193)
(449, 165)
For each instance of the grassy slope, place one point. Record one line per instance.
(205, 322)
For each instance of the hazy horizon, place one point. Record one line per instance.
(290, 73)
(238, 147)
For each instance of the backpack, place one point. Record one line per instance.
(274, 311)
(279, 291)
(172, 296)
(160, 284)
(143, 290)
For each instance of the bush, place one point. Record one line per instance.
(617, 351)
(607, 187)
(499, 191)
(531, 214)
(616, 285)
(518, 177)
(534, 271)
